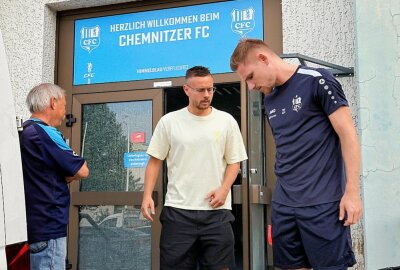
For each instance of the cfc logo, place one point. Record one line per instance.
(242, 21)
(296, 103)
(89, 75)
(90, 38)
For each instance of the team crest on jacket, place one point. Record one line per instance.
(296, 103)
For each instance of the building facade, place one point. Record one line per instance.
(360, 34)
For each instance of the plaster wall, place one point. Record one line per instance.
(325, 30)
(378, 81)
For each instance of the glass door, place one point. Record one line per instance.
(107, 230)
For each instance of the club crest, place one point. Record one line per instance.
(296, 103)
(243, 21)
(90, 38)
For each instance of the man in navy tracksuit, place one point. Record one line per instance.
(317, 159)
(49, 164)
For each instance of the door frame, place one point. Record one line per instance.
(64, 73)
(79, 198)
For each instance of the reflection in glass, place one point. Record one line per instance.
(113, 237)
(115, 137)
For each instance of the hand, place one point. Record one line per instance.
(350, 205)
(217, 197)
(148, 208)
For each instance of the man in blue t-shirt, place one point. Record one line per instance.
(48, 165)
(317, 159)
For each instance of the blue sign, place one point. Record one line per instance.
(162, 43)
(136, 159)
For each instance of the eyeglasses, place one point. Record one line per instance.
(210, 90)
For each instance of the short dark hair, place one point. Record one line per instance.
(242, 50)
(197, 71)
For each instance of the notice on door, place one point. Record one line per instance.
(136, 159)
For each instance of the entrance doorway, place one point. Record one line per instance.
(114, 197)
(112, 131)
(226, 98)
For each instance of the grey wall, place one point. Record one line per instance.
(378, 82)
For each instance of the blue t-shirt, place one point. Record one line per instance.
(309, 164)
(46, 161)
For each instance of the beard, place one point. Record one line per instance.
(203, 105)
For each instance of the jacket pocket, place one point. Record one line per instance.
(38, 247)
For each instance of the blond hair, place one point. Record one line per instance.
(242, 50)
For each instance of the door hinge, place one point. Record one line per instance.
(70, 120)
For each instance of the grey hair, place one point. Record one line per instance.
(39, 97)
